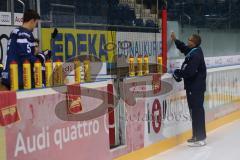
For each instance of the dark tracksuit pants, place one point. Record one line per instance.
(195, 103)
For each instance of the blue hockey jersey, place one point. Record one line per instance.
(20, 48)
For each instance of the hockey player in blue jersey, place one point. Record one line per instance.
(21, 47)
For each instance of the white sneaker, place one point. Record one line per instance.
(197, 143)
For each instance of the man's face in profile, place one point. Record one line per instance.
(34, 23)
(191, 43)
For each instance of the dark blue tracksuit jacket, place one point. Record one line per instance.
(193, 69)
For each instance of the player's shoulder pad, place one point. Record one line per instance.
(23, 34)
(20, 33)
(15, 31)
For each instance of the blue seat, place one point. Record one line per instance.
(150, 23)
(139, 22)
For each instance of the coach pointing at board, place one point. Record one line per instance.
(193, 72)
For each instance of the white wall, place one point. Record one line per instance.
(215, 42)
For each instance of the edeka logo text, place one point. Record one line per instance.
(70, 43)
(81, 44)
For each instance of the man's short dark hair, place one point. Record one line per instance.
(29, 15)
(197, 39)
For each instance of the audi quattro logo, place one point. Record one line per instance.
(4, 18)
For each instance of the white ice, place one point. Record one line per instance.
(222, 144)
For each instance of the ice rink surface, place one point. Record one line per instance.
(222, 144)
